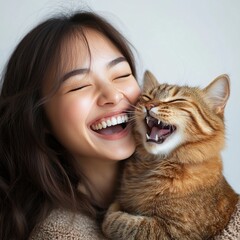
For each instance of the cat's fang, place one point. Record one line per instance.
(147, 120)
(147, 136)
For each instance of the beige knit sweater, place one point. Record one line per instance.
(63, 225)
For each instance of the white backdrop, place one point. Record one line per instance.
(186, 42)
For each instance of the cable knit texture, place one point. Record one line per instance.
(232, 231)
(64, 225)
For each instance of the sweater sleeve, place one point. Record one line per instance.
(64, 225)
(232, 231)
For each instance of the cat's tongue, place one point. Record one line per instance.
(111, 130)
(158, 132)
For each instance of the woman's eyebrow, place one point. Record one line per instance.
(74, 72)
(116, 61)
(86, 70)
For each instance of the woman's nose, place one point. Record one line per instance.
(109, 95)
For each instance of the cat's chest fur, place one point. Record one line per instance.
(157, 183)
(141, 185)
(146, 184)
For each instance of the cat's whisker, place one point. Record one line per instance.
(132, 118)
(130, 111)
(131, 105)
(131, 124)
(131, 121)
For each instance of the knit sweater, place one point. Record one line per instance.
(64, 225)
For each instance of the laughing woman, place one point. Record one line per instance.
(64, 128)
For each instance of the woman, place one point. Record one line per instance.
(66, 92)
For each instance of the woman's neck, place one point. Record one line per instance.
(101, 179)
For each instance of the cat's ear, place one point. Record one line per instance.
(149, 81)
(217, 93)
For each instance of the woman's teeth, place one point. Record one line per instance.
(110, 122)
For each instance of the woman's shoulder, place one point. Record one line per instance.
(232, 231)
(63, 224)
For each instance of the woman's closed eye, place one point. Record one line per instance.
(78, 88)
(123, 76)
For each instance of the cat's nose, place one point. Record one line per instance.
(150, 105)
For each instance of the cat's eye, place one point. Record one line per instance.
(146, 97)
(178, 100)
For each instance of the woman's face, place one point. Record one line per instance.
(88, 112)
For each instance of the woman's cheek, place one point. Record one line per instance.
(133, 91)
(68, 113)
(77, 109)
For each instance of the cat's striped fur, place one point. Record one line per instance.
(173, 187)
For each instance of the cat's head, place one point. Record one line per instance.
(168, 117)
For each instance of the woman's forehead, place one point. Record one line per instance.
(81, 49)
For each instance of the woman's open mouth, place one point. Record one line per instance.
(157, 131)
(112, 125)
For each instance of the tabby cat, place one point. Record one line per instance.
(173, 186)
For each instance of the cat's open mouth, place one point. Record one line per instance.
(157, 131)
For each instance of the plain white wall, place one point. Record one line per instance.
(185, 42)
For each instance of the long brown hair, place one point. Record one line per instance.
(37, 174)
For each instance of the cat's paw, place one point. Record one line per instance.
(114, 207)
(109, 224)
